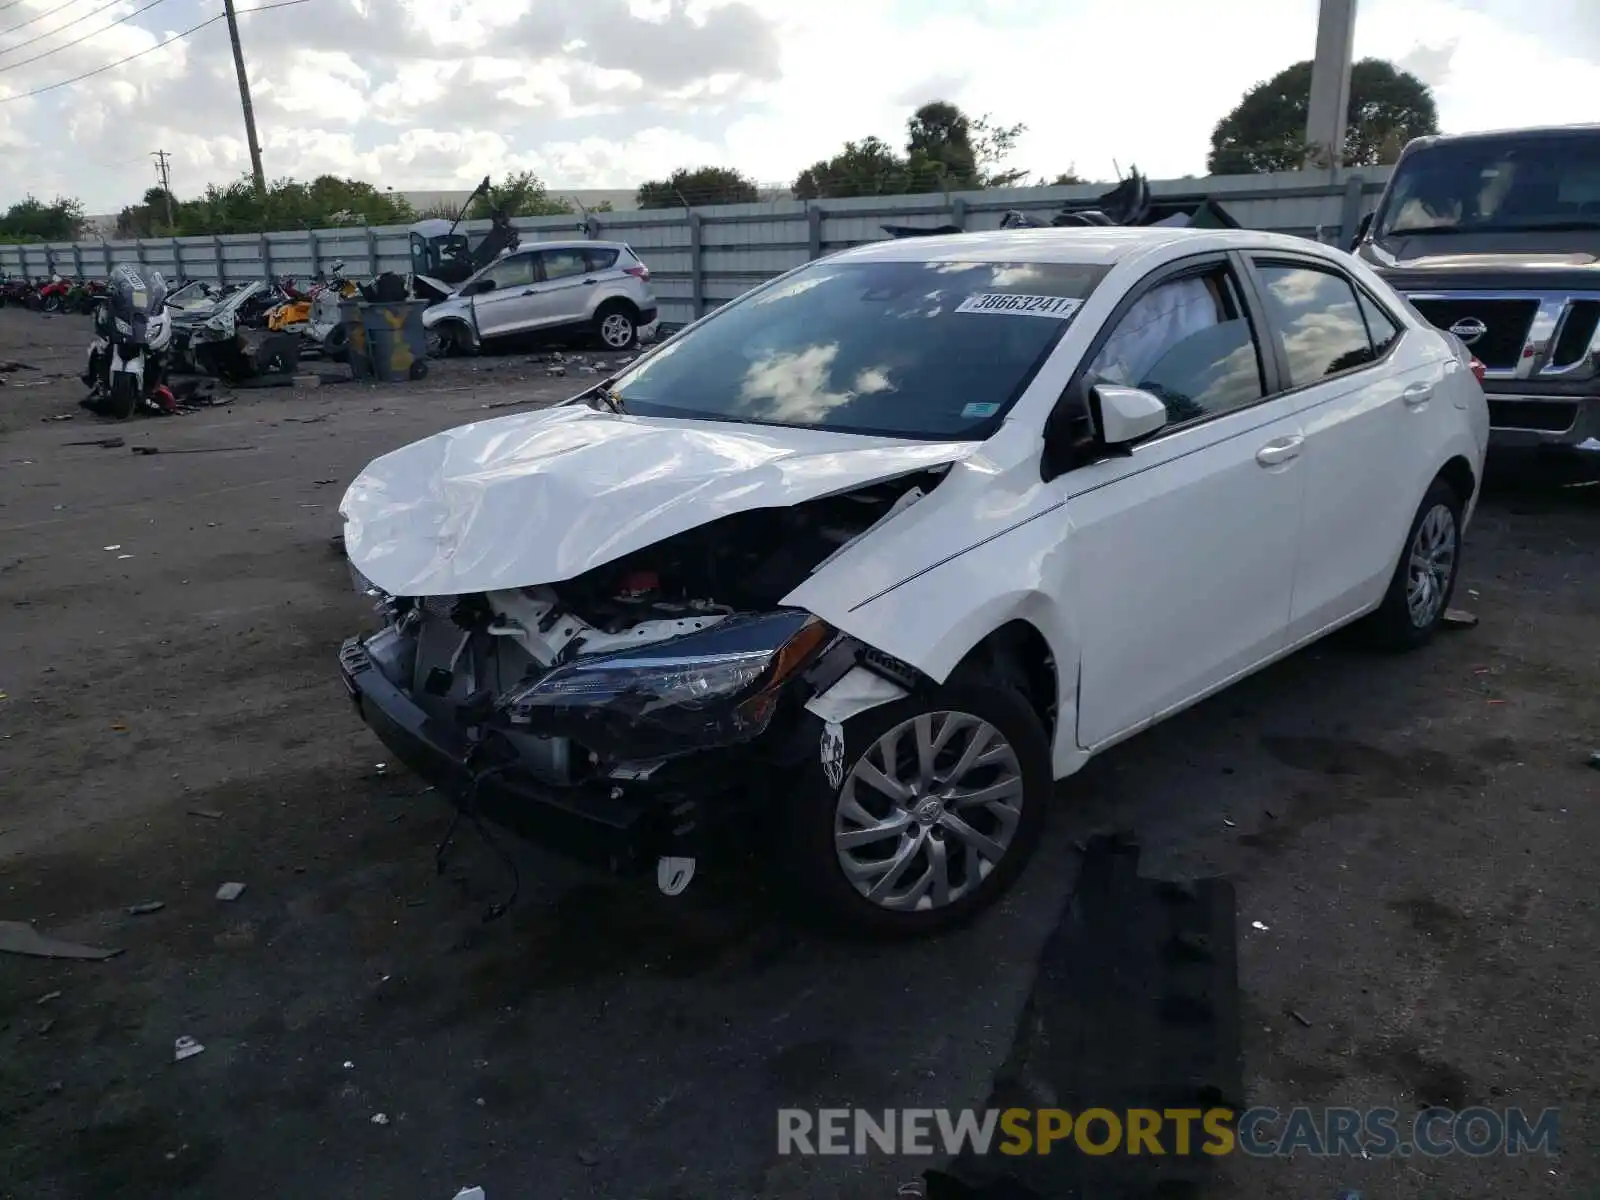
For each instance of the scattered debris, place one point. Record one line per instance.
(195, 450)
(471, 1193)
(1296, 1015)
(20, 937)
(1258, 925)
(148, 907)
(1229, 824)
(110, 443)
(186, 1047)
(588, 1158)
(47, 997)
(380, 1118)
(120, 557)
(349, 1066)
(1594, 759)
(1458, 618)
(209, 814)
(322, 482)
(59, 417)
(119, 729)
(309, 420)
(230, 891)
(118, 546)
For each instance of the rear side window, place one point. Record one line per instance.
(1381, 328)
(600, 260)
(1317, 320)
(558, 264)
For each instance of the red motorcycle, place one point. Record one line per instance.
(53, 295)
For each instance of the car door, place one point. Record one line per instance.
(1361, 390)
(1183, 548)
(565, 286)
(508, 307)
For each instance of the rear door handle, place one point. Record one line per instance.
(1280, 450)
(591, 281)
(1417, 394)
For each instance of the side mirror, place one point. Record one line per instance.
(1127, 414)
(1361, 231)
(477, 287)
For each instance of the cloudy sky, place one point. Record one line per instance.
(433, 94)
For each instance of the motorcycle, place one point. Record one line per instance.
(295, 313)
(127, 360)
(53, 295)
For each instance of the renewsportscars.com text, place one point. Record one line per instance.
(1256, 1132)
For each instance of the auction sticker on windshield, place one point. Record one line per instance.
(1027, 306)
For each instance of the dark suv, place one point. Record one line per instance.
(1496, 238)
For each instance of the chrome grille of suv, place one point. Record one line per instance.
(1523, 335)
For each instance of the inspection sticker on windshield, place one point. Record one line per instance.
(1060, 307)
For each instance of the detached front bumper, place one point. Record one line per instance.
(609, 824)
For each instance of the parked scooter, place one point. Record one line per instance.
(127, 361)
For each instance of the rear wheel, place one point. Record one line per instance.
(616, 326)
(925, 814)
(1425, 578)
(52, 304)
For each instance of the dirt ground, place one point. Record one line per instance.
(1414, 839)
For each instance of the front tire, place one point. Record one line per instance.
(1425, 577)
(124, 399)
(930, 813)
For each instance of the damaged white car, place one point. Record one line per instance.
(875, 554)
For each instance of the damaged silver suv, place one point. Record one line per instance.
(882, 548)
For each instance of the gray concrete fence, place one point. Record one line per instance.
(702, 257)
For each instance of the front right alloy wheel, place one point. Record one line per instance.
(923, 811)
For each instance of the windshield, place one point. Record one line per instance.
(1516, 184)
(930, 350)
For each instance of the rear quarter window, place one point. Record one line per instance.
(600, 260)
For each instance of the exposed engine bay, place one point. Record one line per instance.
(658, 654)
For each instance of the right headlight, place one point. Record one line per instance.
(714, 687)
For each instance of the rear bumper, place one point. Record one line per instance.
(600, 824)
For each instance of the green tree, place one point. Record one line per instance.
(521, 195)
(700, 185)
(951, 150)
(1067, 178)
(870, 167)
(1267, 131)
(32, 220)
(945, 150)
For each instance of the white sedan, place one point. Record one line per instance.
(862, 563)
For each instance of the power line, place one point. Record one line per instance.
(39, 37)
(76, 41)
(49, 12)
(50, 87)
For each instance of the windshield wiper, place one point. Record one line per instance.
(1419, 230)
(603, 393)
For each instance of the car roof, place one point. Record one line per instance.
(1498, 135)
(1103, 245)
(570, 244)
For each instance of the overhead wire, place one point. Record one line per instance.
(50, 87)
(39, 37)
(49, 12)
(75, 41)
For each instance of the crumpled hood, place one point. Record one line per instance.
(541, 497)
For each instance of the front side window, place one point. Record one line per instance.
(932, 350)
(1317, 321)
(516, 271)
(1189, 343)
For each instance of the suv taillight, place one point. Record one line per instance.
(1477, 370)
(639, 271)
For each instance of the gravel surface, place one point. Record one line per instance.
(1417, 834)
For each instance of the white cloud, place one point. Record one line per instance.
(607, 93)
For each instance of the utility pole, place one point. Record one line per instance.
(166, 184)
(244, 99)
(1330, 82)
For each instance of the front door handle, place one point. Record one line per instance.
(530, 291)
(591, 281)
(1280, 451)
(1417, 394)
